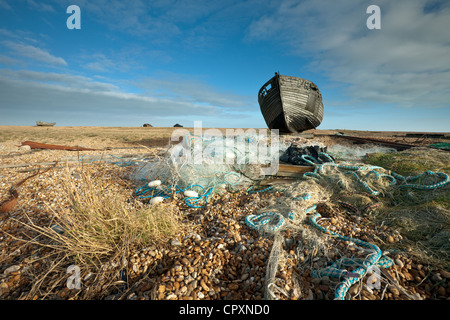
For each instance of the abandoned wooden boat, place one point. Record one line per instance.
(290, 104)
(45, 124)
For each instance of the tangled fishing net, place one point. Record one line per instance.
(207, 165)
(337, 181)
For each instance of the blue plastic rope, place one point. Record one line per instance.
(353, 169)
(336, 269)
(193, 201)
(250, 190)
(261, 222)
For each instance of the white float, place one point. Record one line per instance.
(190, 194)
(156, 200)
(154, 183)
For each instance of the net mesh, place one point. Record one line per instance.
(227, 165)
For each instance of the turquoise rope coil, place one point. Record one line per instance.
(326, 156)
(261, 222)
(445, 180)
(363, 265)
(307, 196)
(291, 215)
(265, 221)
(250, 189)
(363, 183)
(353, 169)
(313, 161)
(193, 201)
(146, 192)
(309, 159)
(382, 175)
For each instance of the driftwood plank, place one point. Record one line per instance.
(287, 173)
(289, 170)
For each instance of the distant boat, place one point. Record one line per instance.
(290, 104)
(45, 124)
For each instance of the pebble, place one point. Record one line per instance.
(25, 148)
(445, 274)
(325, 280)
(394, 290)
(399, 262)
(353, 290)
(233, 286)
(11, 269)
(417, 296)
(4, 289)
(441, 290)
(323, 288)
(171, 296)
(221, 258)
(436, 277)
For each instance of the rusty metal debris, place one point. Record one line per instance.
(9, 204)
(38, 145)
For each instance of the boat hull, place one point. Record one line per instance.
(45, 124)
(290, 104)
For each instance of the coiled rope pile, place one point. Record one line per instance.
(211, 177)
(274, 222)
(336, 270)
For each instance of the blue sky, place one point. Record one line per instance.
(167, 62)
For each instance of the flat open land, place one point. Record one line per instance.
(86, 211)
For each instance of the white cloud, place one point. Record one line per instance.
(194, 24)
(25, 95)
(4, 5)
(192, 89)
(5, 60)
(44, 7)
(124, 60)
(34, 53)
(405, 63)
(59, 79)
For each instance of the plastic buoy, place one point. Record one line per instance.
(230, 155)
(190, 194)
(154, 183)
(156, 200)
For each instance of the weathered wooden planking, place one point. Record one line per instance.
(289, 170)
(290, 104)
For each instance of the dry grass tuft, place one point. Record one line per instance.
(96, 233)
(422, 216)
